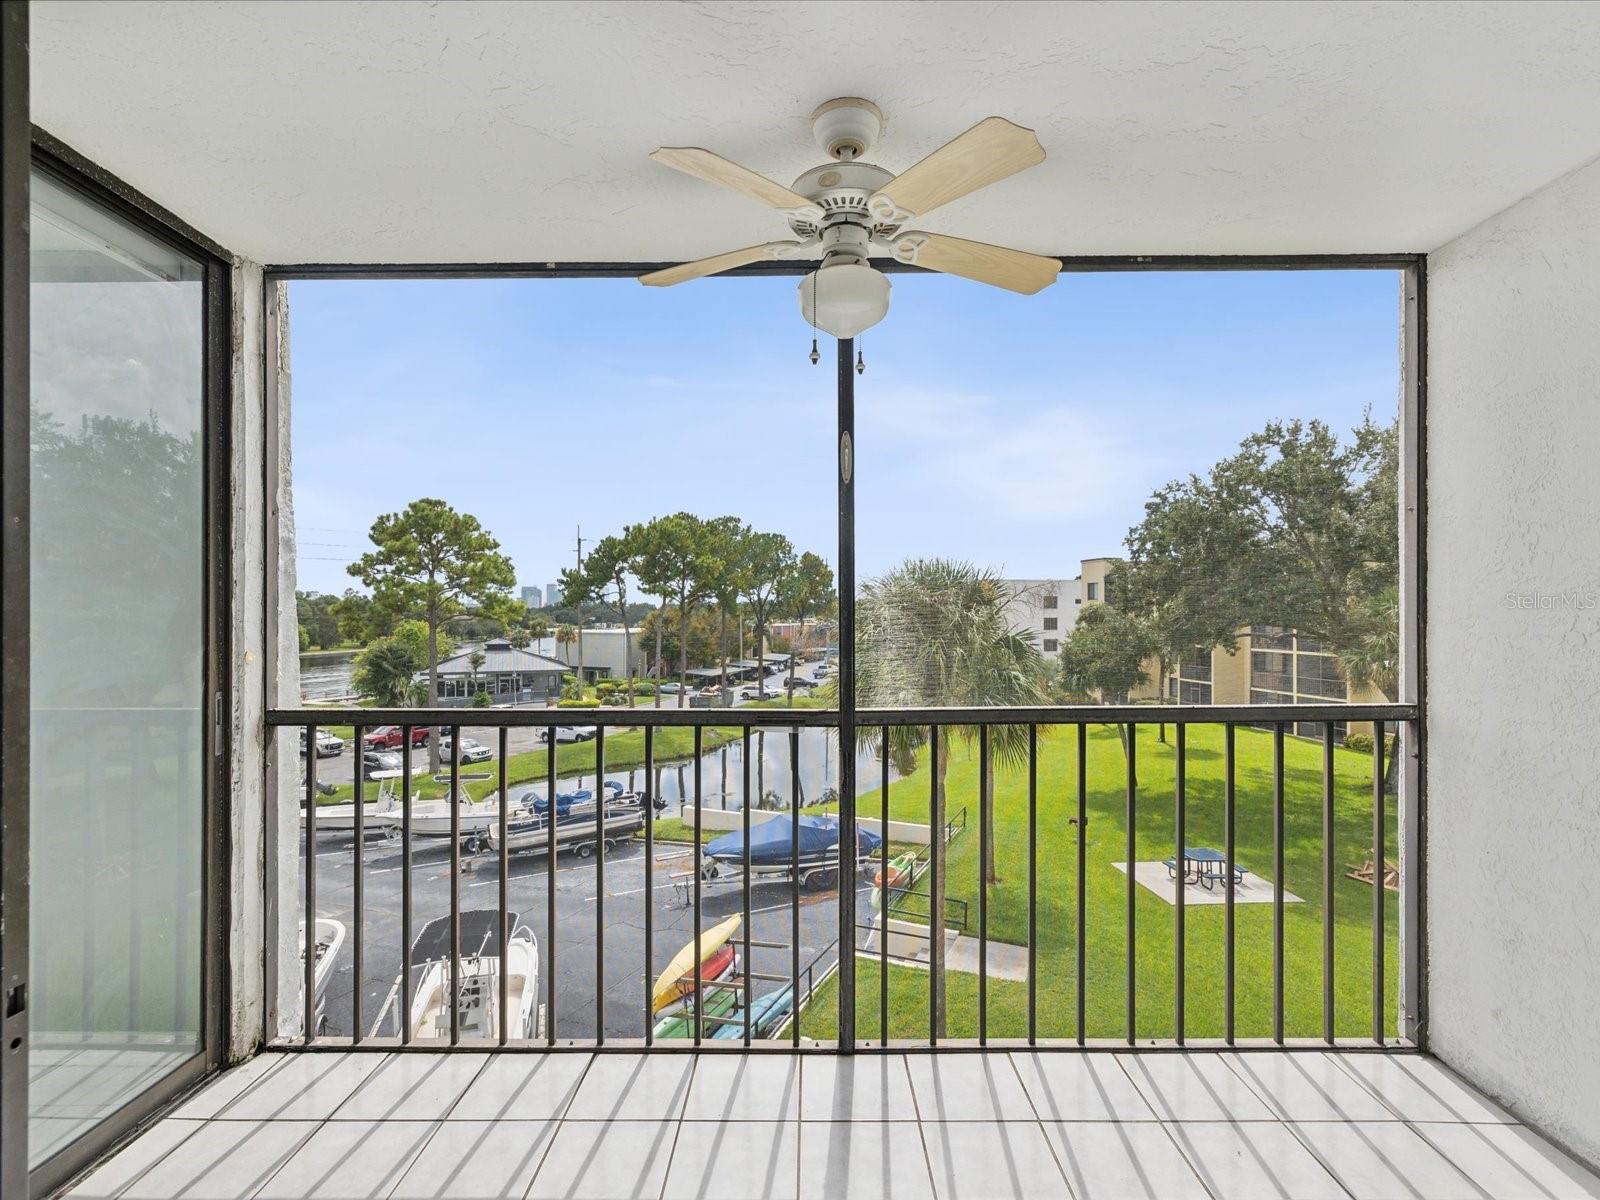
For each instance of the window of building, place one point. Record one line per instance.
(1094, 591)
(1051, 645)
(1050, 623)
(1050, 601)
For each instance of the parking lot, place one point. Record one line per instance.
(572, 959)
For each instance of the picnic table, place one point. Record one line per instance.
(1205, 866)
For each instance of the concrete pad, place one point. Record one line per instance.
(1252, 889)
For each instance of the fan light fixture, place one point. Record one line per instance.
(844, 298)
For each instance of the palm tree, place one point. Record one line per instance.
(475, 661)
(565, 636)
(934, 632)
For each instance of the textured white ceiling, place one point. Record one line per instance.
(476, 132)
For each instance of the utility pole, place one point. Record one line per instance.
(578, 608)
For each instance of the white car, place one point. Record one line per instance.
(328, 746)
(566, 734)
(471, 750)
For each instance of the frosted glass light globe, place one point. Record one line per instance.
(844, 299)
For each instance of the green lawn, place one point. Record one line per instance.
(1106, 894)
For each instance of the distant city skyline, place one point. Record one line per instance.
(1019, 433)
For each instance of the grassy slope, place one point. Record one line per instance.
(1106, 893)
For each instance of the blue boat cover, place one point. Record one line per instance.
(771, 841)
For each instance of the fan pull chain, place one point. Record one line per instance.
(815, 357)
(861, 364)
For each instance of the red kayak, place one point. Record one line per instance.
(712, 969)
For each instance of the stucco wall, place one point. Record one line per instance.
(1513, 892)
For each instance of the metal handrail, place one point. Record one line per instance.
(1278, 719)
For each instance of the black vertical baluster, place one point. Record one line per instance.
(935, 888)
(309, 949)
(550, 888)
(600, 885)
(747, 994)
(983, 884)
(1132, 812)
(505, 903)
(404, 1000)
(699, 1019)
(1378, 872)
(1083, 823)
(1181, 832)
(1327, 882)
(455, 880)
(885, 890)
(356, 955)
(1277, 883)
(1033, 883)
(649, 882)
(794, 894)
(845, 393)
(1229, 833)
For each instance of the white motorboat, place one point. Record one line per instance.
(431, 818)
(481, 965)
(379, 816)
(330, 937)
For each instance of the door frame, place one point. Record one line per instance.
(65, 166)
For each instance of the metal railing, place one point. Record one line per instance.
(936, 724)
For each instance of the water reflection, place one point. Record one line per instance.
(722, 773)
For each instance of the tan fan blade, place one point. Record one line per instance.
(990, 151)
(1015, 270)
(713, 168)
(668, 276)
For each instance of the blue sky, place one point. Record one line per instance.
(1021, 433)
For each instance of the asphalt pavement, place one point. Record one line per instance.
(573, 960)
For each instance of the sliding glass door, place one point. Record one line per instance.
(119, 665)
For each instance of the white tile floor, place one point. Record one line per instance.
(1094, 1126)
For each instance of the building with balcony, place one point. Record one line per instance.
(757, 951)
(507, 675)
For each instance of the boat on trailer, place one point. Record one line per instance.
(575, 822)
(780, 844)
(380, 815)
(483, 960)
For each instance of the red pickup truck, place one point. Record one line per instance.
(387, 737)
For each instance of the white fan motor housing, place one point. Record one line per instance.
(847, 128)
(841, 188)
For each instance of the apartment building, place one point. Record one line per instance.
(1046, 608)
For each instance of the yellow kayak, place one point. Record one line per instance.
(685, 961)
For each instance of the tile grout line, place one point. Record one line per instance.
(1038, 1122)
(558, 1123)
(438, 1125)
(677, 1128)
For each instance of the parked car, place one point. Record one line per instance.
(471, 750)
(569, 734)
(328, 746)
(799, 682)
(670, 689)
(388, 737)
(382, 760)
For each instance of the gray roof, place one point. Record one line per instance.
(502, 658)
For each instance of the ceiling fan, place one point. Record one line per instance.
(846, 208)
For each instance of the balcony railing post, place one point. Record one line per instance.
(649, 883)
(794, 892)
(550, 886)
(747, 994)
(358, 919)
(1132, 802)
(1327, 883)
(695, 862)
(984, 800)
(935, 890)
(454, 801)
(309, 941)
(1082, 913)
(404, 999)
(1033, 884)
(1277, 883)
(1379, 874)
(1181, 837)
(502, 888)
(600, 885)
(1228, 835)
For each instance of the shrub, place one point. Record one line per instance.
(1361, 743)
(482, 700)
(577, 704)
